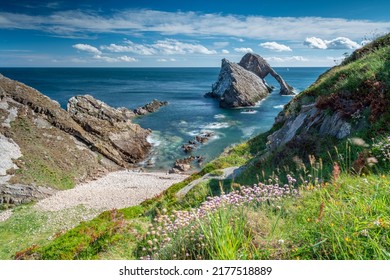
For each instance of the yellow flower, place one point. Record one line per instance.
(308, 219)
(347, 239)
(332, 224)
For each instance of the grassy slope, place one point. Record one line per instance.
(336, 216)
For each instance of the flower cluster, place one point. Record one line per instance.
(166, 226)
(381, 150)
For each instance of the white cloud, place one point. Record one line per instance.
(171, 46)
(105, 58)
(337, 43)
(275, 47)
(162, 60)
(243, 50)
(225, 51)
(87, 48)
(130, 47)
(79, 22)
(286, 59)
(127, 58)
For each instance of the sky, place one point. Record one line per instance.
(157, 33)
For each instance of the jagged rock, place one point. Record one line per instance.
(151, 107)
(259, 66)
(237, 87)
(188, 148)
(127, 140)
(307, 119)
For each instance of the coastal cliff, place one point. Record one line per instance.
(46, 148)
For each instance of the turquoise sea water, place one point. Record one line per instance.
(188, 112)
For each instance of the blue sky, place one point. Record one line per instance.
(115, 33)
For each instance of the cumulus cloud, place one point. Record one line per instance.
(275, 47)
(127, 58)
(130, 47)
(225, 51)
(337, 43)
(87, 48)
(243, 50)
(287, 58)
(171, 46)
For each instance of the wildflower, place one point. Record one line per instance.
(150, 242)
(377, 223)
(308, 219)
(371, 161)
(358, 142)
(364, 232)
(332, 225)
(347, 239)
(281, 241)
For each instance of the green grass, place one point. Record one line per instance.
(28, 227)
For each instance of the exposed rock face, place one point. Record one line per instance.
(19, 193)
(259, 66)
(237, 87)
(151, 107)
(124, 141)
(309, 118)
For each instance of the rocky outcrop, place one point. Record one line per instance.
(259, 66)
(61, 148)
(124, 141)
(243, 84)
(309, 119)
(237, 87)
(151, 107)
(18, 194)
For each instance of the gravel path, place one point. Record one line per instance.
(115, 190)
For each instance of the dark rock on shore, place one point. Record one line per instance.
(151, 107)
(117, 137)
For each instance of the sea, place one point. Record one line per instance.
(188, 113)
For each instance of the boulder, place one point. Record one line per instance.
(237, 87)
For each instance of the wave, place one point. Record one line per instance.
(249, 112)
(279, 106)
(216, 125)
(219, 116)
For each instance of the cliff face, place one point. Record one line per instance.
(243, 84)
(43, 145)
(353, 97)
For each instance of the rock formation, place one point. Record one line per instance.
(42, 145)
(121, 140)
(237, 87)
(259, 66)
(243, 84)
(151, 107)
